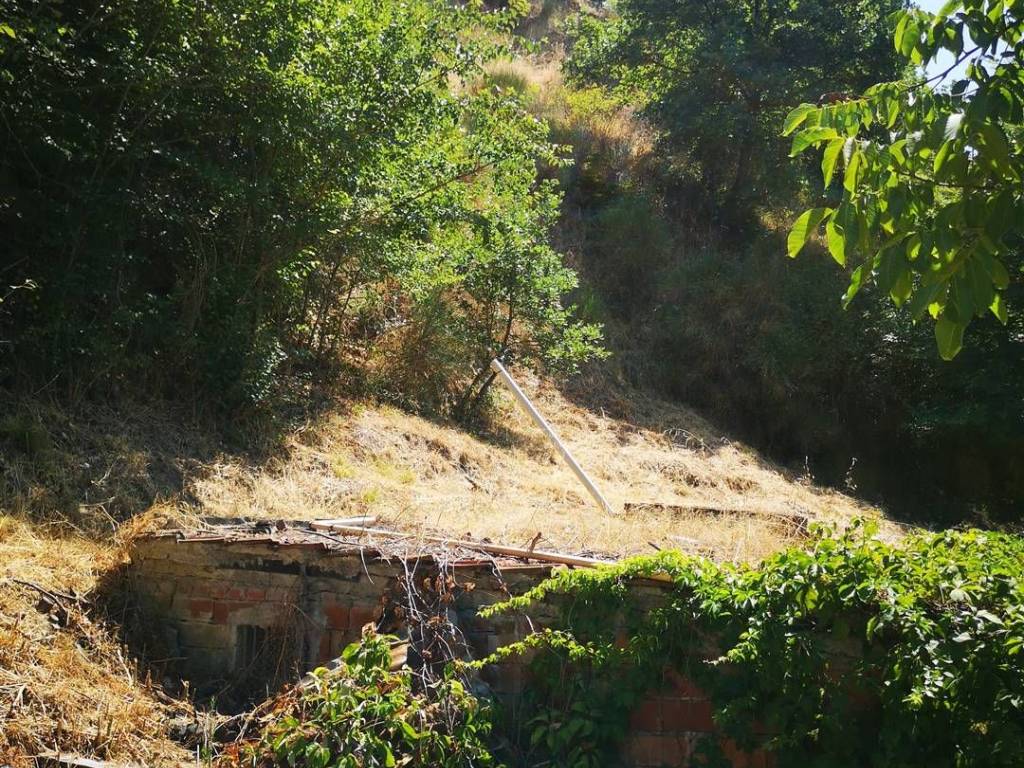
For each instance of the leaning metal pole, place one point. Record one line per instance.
(524, 401)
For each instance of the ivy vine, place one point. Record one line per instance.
(848, 651)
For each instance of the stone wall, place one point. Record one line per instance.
(217, 606)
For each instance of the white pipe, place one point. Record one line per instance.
(524, 401)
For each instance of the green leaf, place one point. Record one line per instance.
(998, 308)
(949, 7)
(850, 179)
(805, 226)
(830, 158)
(892, 112)
(982, 290)
(5, 29)
(1000, 277)
(806, 138)
(796, 118)
(949, 336)
(941, 156)
(995, 147)
(902, 287)
(856, 279)
(903, 41)
(836, 242)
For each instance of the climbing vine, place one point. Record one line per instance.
(849, 651)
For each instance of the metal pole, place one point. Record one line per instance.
(524, 401)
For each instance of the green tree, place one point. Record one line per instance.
(206, 194)
(925, 179)
(716, 78)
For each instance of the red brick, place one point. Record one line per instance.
(680, 715)
(361, 615)
(683, 686)
(222, 609)
(256, 595)
(673, 715)
(234, 593)
(647, 716)
(337, 616)
(324, 651)
(647, 750)
(198, 607)
(211, 590)
(741, 759)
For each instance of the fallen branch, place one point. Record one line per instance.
(497, 549)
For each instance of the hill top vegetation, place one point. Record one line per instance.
(234, 210)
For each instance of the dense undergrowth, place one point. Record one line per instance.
(847, 652)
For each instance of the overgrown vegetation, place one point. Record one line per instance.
(224, 199)
(849, 652)
(362, 715)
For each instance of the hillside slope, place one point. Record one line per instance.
(79, 689)
(507, 483)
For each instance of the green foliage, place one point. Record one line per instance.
(362, 715)
(708, 315)
(717, 78)
(207, 195)
(931, 205)
(850, 651)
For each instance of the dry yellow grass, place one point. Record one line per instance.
(65, 684)
(587, 119)
(417, 474)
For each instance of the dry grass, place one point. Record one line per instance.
(509, 485)
(587, 119)
(65, 684)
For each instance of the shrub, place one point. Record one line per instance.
(362, 715)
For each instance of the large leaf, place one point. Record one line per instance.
(950, 337)
(796, 118)
(836, 242)
(806, 138)
(829, 159)
(804, 227)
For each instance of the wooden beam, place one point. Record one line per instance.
(798, 522)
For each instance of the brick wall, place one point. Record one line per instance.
(669, 727)
(210, 602)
